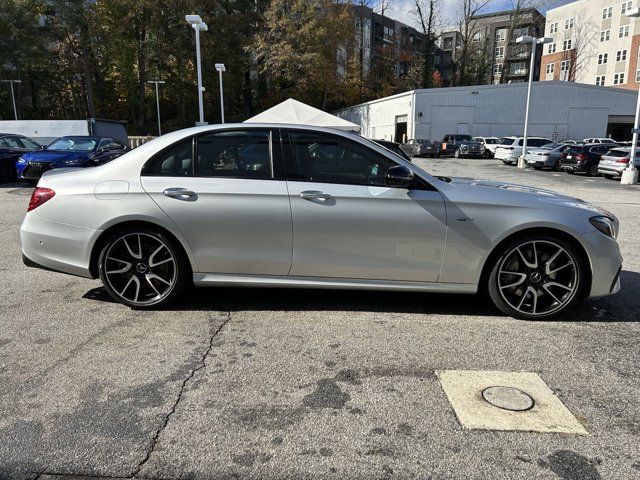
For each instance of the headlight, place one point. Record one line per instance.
(21, 160)
(605, 225)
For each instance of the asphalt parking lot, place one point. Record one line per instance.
(248, 383)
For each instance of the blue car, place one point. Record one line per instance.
(65, 152)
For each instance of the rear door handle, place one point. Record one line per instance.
(180, 194)
(314, 194)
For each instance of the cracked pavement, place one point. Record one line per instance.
(249, 383)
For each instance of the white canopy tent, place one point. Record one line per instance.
(293, 111)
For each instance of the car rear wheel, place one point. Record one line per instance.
(535, 278)
(593, 171)
(456, 153)
(607, 176)
(142, 268)
(557, 166)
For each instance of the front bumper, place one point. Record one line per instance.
(57, 246)
(606, 263)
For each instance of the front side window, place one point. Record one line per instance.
(28, 143)
(331, 159)
(237, 154)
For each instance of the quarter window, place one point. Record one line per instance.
(329, 159)
(174, 161)
(236, 154)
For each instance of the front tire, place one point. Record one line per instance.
(142, 268)
(535, 277)
(456, 153)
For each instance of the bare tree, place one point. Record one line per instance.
(427, 13)
(582, 47)
(467, 25)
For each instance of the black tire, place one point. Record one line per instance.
(506, 259)
(558, 166)
(570, 172)
(593, 171)
(506, 162)
(607, 176)
(456, 153)
(487, 154)
(163, 281)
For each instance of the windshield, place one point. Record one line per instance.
(617, 153)
(464, 137)
(423, 140)
(73, 144)
(506, 140)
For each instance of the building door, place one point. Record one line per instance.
(401, 129)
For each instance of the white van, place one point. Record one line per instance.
(510, 148)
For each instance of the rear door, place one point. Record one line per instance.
(226, 193)
(348, 224)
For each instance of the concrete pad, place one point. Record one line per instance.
(464, 391)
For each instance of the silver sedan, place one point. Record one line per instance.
(547, 156)
(296, 206)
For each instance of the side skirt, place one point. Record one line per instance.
(329, 283)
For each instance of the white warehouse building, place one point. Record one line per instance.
(559, 111)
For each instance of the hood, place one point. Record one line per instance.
(52, 156)
(524, 195)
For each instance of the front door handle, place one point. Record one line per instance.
(314, 194)
(181, 194)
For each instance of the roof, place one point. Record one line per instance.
(294, 112)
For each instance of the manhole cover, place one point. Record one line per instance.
(508, 398)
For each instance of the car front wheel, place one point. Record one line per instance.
(142, 268)
(456, 153)
(535, 278)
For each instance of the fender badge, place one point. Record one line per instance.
(466, 219)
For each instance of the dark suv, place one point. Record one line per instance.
(584, 158)
(461, 146)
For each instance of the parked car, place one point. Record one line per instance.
(600, 140)
(11, 147)
(351, 215)
(418, 147)
(546, 156)
(461, 146)
(489, 144)
(584, 158)
(394, 147)
(510, 148)
(76, 151)
(615, 161)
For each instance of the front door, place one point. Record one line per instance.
(348, 224)
(231, 203)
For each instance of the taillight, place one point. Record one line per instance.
(623, 160)
(581, 156)
(39, 196)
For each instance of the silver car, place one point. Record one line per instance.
(273, 205)
(616, 161)
(547, 156)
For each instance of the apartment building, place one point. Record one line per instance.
(594, 42)
(508, 62)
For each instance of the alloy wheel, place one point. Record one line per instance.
(538, 278)
(140, 268)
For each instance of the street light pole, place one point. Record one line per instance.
(13, 96)
(534, 43)
(196, 22)
(157, 82)
(220, 68)
(630, 174)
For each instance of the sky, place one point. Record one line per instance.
(403, 10)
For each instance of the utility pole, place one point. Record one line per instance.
(13, 96)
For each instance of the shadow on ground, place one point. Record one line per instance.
(622, 307)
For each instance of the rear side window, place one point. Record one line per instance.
(236, 154)
(575, 150)
(173, 161)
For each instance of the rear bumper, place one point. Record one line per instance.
(611, 170)
(57, 246)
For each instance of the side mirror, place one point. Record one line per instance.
(399, 177)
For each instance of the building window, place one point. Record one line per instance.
(476, 37)
(600, 80)
(637, 76)
(520, 32)
(621, 55)
(501, 34)
(518, 68)
(552, 48)
(566, 45)
(602, 58)
(447, 44)
(550, 68)
(605, 35)
(568, 23)
(626, 6)
(618, 79)
(499, 52)
(564, 69)
(497, 69)
(624, 31)
(607, 13)
(553, 28)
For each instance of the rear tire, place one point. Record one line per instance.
(535, 277)
(142, 268)
(607, 176)
(593, 171)
(557, 167)
(456, 153)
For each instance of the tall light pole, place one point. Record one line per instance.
(220, 68)
(630, 174)
(157, 82)
(198, 25)
(534, 41)
(13, 96)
